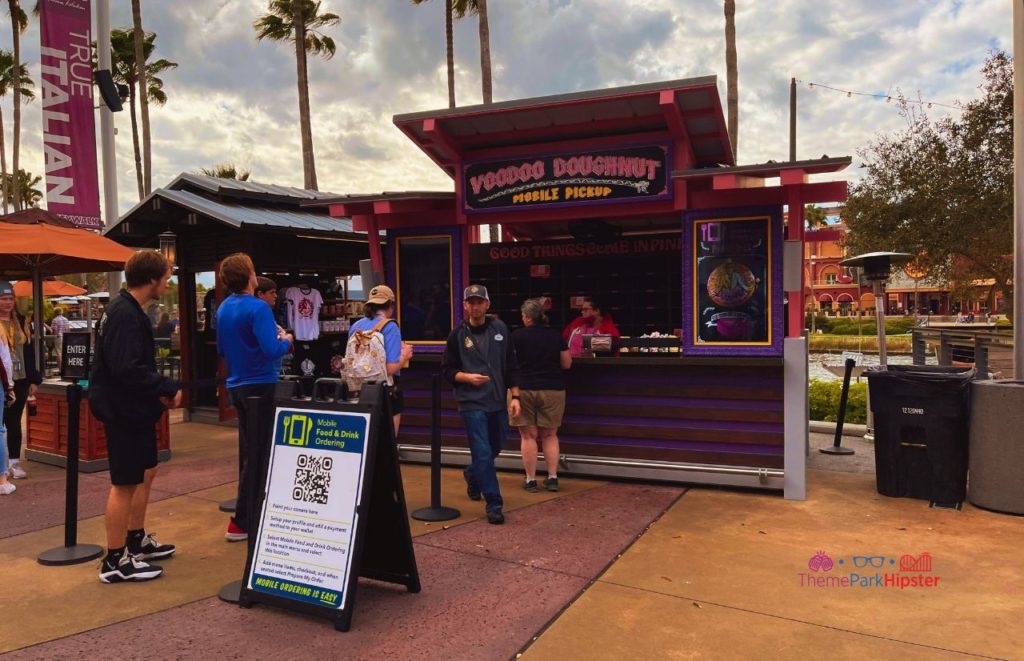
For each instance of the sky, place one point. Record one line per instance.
(234, 100)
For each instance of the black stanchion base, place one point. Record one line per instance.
(227, 505)
(436, 514)
(70, 555)
(836, 450)
(231, 592)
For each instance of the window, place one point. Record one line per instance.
(831, 278)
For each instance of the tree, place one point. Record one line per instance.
(815, 216)
(19, 23)
(24, 188)
(139, 42)
(945, 188)
(227, 171)
(300, 22)
(7, 83)
(124, 71)
(731, 75)
(449, 37)
(462, 8)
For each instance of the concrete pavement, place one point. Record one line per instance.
(599, 570)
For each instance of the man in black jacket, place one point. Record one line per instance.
(480, 362)
(129, 396)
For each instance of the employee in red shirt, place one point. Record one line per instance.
(592, 321)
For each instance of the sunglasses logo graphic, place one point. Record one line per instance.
(861, 561)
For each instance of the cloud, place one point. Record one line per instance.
(234, 100)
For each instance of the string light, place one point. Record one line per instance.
(888, 98)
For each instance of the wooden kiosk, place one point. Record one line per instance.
(631, 195)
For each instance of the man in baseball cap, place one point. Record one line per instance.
(481, 364)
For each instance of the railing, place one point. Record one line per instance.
(990, 352)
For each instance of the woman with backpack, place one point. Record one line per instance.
(375, 341)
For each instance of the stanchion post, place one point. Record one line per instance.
(436, 511)
(836, 447)
(72, 553)
(254, 467)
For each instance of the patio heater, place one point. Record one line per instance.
(876, 267)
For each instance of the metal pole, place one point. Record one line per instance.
(436, 511)
(38, 334)
(814, 301)
(110, 211)
(792, 119)
(1018, 190)
(841, 418)
(879, 287)
(72, 553)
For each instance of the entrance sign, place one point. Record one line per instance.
(333, 509)
(74, 356)
(616, 174)
(69, 122)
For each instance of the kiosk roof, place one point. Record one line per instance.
(447, 135)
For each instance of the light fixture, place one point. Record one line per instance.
(168, 246)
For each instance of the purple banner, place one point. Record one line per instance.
(69, 122)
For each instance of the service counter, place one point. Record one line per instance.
(682, 419)
(47, 437)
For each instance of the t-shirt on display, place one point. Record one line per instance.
(304, 305)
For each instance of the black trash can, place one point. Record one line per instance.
(921, 426)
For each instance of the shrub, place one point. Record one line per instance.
(848, 326)
(824, 398)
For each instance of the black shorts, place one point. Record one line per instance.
(397, 399)
(130, 451)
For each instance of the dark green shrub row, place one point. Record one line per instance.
(825, 395)
(848, 325)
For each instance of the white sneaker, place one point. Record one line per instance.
(16, 471)
(128, 568)
(6, 489)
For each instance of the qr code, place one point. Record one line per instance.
(312, 479)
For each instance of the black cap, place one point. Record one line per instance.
(475, 291)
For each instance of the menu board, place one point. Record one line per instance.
(731, 281)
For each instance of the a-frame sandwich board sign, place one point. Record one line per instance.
(332, 506)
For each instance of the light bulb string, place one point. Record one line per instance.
(888, 97)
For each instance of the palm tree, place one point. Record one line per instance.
(479, 7)
(300, 22)
(124, 71)
(140, 73)
(19, 23)
(731, 74)
(226, 171)
(815, 216)
(25, 189)
(449, 37)
(7, 83)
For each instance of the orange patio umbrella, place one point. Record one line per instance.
(39, 250)
(50, 288)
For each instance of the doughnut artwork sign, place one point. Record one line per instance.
(731, 274)
(597, 176)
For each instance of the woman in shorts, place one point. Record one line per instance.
(543, 356)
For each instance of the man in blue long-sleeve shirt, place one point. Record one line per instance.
(249, 340)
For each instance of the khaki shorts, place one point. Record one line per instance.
(540, 408)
